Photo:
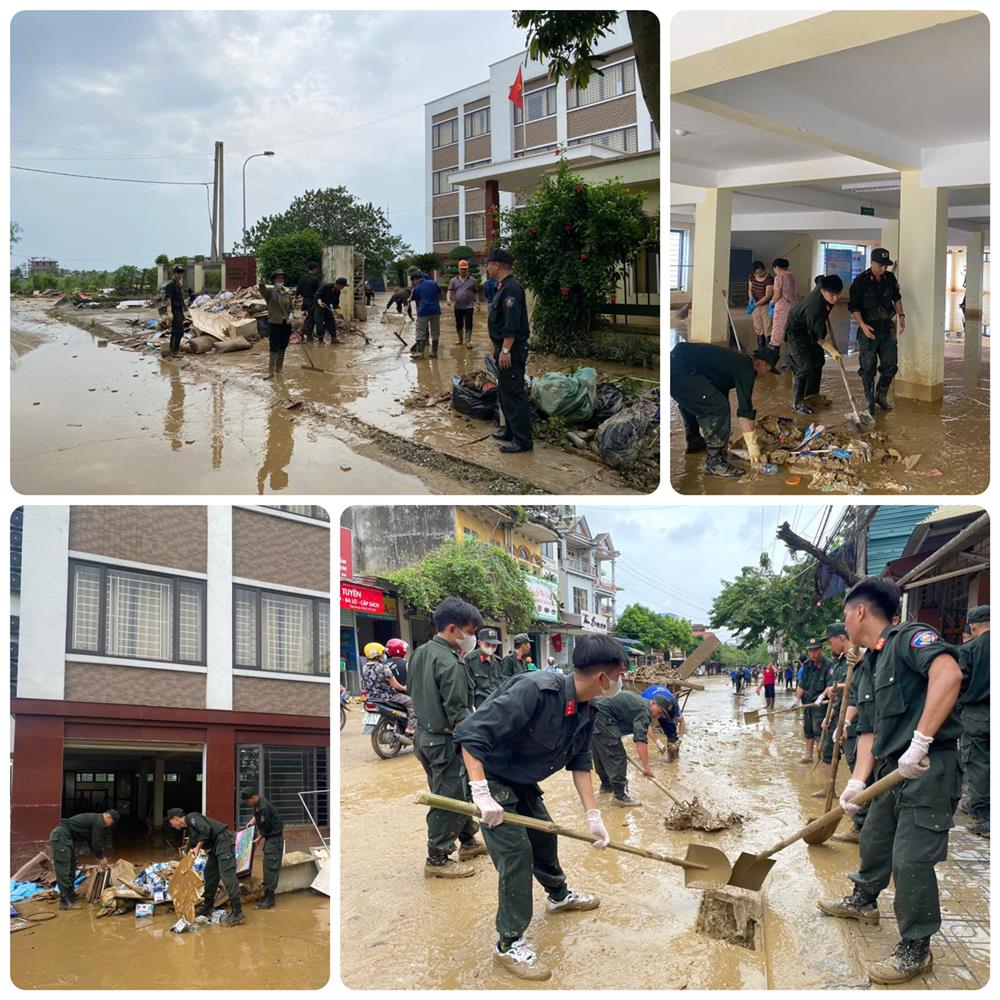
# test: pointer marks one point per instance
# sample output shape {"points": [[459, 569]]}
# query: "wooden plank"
{"points": [[708, 646]]}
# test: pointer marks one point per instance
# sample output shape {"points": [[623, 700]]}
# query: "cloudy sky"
{"points": [[673, 559], [337, 95]]}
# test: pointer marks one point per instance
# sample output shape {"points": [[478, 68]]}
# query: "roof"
{"points": [[946, 513]]}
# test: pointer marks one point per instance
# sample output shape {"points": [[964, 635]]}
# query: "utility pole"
{"points": [[222, 206], [214, 215]]}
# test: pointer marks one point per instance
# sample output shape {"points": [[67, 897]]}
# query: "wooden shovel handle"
{"points": [[892, 779], [547, 826], [838, 740], [653, 781]]}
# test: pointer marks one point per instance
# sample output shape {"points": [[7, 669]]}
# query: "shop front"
{"points": [[367, 614]]}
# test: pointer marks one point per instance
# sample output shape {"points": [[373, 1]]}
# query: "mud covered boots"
{"points": [[860, 905], [67, 902], [716, 465], [799, 395], [279, 362], [882, 395], [869, 385], [267, 902], [911, 958], [693, 440], [234, 917], [447, 868], [272, 360]]}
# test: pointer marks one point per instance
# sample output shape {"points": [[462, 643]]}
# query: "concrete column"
{"points": [[222, 275], [158, 770], [923, 233], [342, 258], [710, 267], [890, 238], [974, 276], [562, 113], [219, 599], [161, 276], [220, 774], [199, 278]]}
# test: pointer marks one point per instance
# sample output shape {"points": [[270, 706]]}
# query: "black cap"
{"points": [[311, 265], [663, 702], [341, 281], [837, 628], [881, 256], [832, 283], [814, 644], [501, 256], [488, 635], [115, 815], [770, 355], [174, 813], [247, 793], [274, 274], [521, 638], [178, 269], [979, 615]]}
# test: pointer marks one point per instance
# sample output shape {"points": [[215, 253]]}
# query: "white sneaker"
{"points": [[520, 960], [574, 901]]}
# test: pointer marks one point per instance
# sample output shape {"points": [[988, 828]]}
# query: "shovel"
{"points": [[838, 739], [854, 417], [663, 788], [751, 870], [755, 715], [398, 334], [704, 867], [315, 368]]}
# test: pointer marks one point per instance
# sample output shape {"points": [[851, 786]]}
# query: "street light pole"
{"points": [[267, 152]]}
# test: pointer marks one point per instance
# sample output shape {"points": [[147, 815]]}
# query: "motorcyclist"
{"points": [[381, 684], [397, 650]]}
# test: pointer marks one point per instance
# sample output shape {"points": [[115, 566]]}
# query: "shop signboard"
{"points": [[346, 554], [593, 623], [367, 600], [546, 597]]}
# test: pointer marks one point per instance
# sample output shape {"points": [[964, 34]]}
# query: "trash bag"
{"points": [[232, 344], [608, 402], [571, 397], [621, 438], [473, 403]]}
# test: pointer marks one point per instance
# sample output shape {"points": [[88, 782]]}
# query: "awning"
{"points": [[525, 172]]}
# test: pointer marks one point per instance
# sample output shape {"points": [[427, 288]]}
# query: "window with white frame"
{"points": [[444, 133], [475, 226], [624, 140], [445, 230], [477, 123], [279, 632], [531, 152], [678, 259], [472, 166], [304, 510], [614, 81], [135, 615], [537, 104], [439, 182], [579, 601]]}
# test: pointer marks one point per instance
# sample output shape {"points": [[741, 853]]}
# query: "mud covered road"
{"points": [[400, 930]]}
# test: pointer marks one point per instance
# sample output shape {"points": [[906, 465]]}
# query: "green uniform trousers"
{"points": [[63, 859], [517, 854], [610, 761], [976, 758], [274, 849], [442, 763], [221, 864], [812, 719], [904, 836], [826, 747], [851, 756]]}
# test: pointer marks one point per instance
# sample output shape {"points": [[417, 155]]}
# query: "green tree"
{"points": [[457, 254], [337, 217], [679, 634], [655, 630], [572, 242], [15, 233], [126, 279], [292, 252], [567, 39], [476, 571]]}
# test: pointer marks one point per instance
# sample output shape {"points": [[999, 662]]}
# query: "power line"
{"points": [[121, 180], [651, 585]]}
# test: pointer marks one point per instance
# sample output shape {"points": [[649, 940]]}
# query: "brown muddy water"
{"points": [[951, 436], [440, 933], [284, 948]]}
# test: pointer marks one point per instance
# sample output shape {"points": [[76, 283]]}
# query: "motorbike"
{"points": [[385, 721], [343, 706]]}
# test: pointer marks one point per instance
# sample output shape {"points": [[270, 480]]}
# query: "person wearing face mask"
{"points": [[279, 329], [533, 725], [515, 662], [483, 665], [438, 682], [618, 715]]}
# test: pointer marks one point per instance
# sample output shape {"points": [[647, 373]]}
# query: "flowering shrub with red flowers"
{"points": [[571, 242]]}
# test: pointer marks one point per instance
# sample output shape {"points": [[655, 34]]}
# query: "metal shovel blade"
{"points": [[716, 871], [750, 871], [824, 833], [749, 718]]}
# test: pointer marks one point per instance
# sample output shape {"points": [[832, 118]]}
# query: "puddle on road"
{"points": [[89, 419], [951, 435]]}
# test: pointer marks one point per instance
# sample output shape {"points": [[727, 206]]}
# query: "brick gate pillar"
{"points": [[36, 786]]}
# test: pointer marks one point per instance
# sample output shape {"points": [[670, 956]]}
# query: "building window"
{"points": [[579, 601], [477, 123], [304, 510], [280, 633], [444, 134], [475, 226], [469, 535], [438, 183], [538, 104], [279, 774], [531, 152], [472, 166], [16, 540], [143, 616], [614, 82], [679, 240], [624, 140], [446, 230]]}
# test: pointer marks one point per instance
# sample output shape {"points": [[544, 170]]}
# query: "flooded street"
{"points": [[92, 419], [951, 435], [440, 933], [283, 948]]}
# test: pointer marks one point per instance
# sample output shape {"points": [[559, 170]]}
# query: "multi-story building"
{"points": [[166, 656], [40, 265], [481, 150]]}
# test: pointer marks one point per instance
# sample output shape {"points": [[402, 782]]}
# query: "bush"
{"points": [[213, 282], [291, 252]]}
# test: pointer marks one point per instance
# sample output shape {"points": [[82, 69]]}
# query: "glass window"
{"points": [[280, 773], [477, 123], [615, 81], [579, 600], [246, 628], [624, 140], [439, 184], [537, 104], [678, 259], [446, 230], [475, 226], [306, 510], [86, 608], [140, 615], [530, 152], [444, 133], [280, 632], [191, 622]]}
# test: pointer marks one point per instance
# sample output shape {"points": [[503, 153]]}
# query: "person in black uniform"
{"points": [[876, 302], [484, 666], [531, 726], [806, 333], [268, 827], [88, 830], [701, 378], [507, 322], [974, 709], [174, 294], [328, 299], [307, 287]]}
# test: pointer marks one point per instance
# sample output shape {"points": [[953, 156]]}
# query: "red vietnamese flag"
{"points": [[516, 93]]}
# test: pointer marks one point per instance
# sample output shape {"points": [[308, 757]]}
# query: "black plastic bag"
{"points": [[620, 439], [478, 405], [609, 401]]}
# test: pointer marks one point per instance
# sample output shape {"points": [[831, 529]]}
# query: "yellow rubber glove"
{"points": [[831, 350], [753, 449]]}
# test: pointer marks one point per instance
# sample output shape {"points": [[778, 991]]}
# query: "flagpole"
{"points": [[524, 111]]}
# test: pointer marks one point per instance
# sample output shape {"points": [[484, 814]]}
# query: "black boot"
{"points": [[761, 341], [716, 465], [66, 902], [694, 443], [267, 903], [234, 917], [799, 394], [869, 385], [882, 395]]}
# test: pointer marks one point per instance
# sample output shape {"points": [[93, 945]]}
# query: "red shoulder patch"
{"points": [[879, 645], [570, 708]]}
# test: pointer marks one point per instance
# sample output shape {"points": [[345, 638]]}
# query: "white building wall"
{"points": [[219, 610], [41, 671]]}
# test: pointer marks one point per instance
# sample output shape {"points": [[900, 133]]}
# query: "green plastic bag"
{"points": [[571, 397]]}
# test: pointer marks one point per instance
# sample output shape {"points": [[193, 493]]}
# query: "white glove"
{"points": [[491, 812], [753, 449], [853, 787], [795, 704], [598, 829], [821, 700], [911, 764]]}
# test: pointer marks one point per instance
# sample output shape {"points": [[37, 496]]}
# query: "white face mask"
{"points": [[615, 688], [466, 644], [489, 650]]}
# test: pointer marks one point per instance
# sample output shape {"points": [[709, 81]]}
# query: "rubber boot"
{"points": [[882, 395], [417, 352], [434, 348], [267, 903], [860, 905], [234, 917], [716, 465], [869, 385], [694, 441], [271, 361], [799, 395], [761, 341], [279, 362], [66, 902], [911, 958]]}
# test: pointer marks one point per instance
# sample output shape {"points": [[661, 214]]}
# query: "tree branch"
{"points": [[798, 544]]}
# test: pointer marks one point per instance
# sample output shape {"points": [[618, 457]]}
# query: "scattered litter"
{"points": [[181, 926], [143, 910]]}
